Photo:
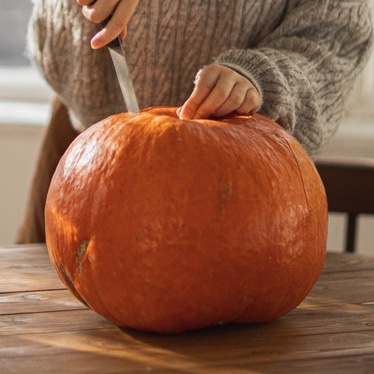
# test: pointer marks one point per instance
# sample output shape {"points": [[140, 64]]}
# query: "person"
{"points": [[295, 61]]}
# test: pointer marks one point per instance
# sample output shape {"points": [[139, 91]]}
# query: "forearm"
{"points": [[306, 68]]}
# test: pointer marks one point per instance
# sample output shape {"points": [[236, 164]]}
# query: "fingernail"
{"points": [[95, 42], [184, 113]]}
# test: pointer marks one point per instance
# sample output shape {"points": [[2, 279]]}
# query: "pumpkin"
{"points": [[166, 225]]}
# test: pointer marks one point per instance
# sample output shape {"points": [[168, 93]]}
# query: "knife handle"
{"points": [[116, 42]]}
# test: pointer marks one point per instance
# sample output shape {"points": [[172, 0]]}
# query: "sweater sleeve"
{"points": [[306, 68]]}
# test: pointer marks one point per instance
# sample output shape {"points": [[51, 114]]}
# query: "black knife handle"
{"points": [[116, 42]]}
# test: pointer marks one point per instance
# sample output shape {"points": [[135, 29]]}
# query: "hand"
{"points": [[218, 91], [98, 11]]}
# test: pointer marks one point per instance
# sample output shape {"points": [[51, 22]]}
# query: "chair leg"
{"points": [[350, 240]]}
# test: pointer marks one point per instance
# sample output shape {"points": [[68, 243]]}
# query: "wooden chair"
{"points": [[349, 184]]}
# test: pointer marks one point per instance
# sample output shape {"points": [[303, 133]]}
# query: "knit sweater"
{"points": [[302, 55]]}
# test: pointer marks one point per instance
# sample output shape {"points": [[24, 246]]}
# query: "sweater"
{"points": [[303, 56]]}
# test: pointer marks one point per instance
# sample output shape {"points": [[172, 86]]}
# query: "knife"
{"points": [[117, 53]]}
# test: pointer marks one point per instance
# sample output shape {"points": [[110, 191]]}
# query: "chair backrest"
{"points": [[349, 184]]}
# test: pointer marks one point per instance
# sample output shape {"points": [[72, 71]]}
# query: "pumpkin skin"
{"points": [[166, 225]]}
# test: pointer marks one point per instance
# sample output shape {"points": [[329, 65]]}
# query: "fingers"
{"points": [[85, 2], [97, 11], [242, 101], [205, 83], [120, 13], [219, 91]]}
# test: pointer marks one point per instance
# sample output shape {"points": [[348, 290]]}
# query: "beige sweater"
{"points": [[302, 55]]}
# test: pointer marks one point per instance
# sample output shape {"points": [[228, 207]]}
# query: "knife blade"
{"points": [[117, 53]]}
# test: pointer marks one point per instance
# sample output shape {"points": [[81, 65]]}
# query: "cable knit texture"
{"points": [[302, 55]]}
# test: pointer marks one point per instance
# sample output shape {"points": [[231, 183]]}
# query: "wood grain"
{"points": [[43, 329], [26, 268], [38, 301]]}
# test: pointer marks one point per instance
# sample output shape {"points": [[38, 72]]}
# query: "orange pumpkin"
{"points": [[166, 225]]}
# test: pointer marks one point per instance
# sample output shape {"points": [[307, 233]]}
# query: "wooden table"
{"points": [[43, 329]]}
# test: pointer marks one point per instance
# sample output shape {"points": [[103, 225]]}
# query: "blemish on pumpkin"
{"points": [[225, 193], [82, 248], [69, 283]]}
